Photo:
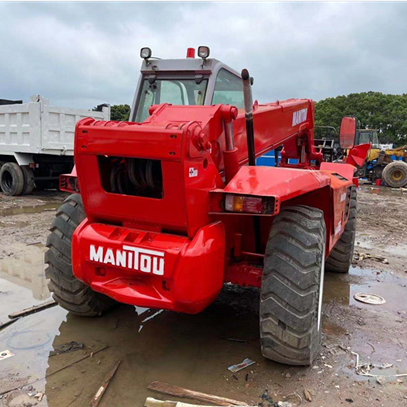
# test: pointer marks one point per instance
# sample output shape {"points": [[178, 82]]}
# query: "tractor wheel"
{"points": [[29, 183], [340, 258], [395, 174], [292, 286], [11, 179], [68, 292]]}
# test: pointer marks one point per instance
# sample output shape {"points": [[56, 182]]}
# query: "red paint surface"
{"points": [[203, 245]]}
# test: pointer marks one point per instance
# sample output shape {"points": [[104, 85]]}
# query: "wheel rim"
{"points": [[321, 290], [397, 175]]}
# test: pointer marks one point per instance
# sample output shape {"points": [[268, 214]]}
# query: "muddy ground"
{"points": [[195, 351]]}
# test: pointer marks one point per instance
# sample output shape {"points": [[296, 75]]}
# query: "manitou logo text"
{"points": [[300, 116], [148, 261]]}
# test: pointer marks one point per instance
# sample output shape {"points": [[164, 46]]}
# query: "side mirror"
{"points": [[347, 132]]}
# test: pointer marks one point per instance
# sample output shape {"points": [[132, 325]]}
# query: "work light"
{"points": [[145, 53], [203, 52]]}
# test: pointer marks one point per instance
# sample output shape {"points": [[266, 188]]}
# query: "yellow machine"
{"points": [[389, 165]]}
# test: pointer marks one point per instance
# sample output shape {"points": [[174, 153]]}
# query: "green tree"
{"points": [[374, 110], [120, 113]]}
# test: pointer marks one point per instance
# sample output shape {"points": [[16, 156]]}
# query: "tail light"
{"points": [[68, 183], [249, 204]]}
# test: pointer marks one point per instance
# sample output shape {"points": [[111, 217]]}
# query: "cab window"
{"points": [[174, 91], [228, 90]]}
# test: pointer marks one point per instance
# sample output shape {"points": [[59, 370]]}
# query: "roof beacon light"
{"points": [[203, 52], [190, 52], [145, 53]]}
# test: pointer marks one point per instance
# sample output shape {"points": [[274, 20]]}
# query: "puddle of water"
{"points": [[342, 288], [366, 244], [399, 250], [20, 210], [191, 351], [22, 279], [188, 350]]}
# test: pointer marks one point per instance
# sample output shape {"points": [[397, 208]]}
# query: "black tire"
{"points": [[292, 287], [29, 183], [11, 179], [395, 174], [340, 258], [68, 292]]}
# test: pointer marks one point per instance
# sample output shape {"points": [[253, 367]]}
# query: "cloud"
{"points": [[83, 54]]}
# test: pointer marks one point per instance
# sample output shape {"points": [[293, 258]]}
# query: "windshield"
{"points": [[369, 136], [174, 91]]}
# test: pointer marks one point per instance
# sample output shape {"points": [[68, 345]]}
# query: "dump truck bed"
{"points": [[38, 128]]}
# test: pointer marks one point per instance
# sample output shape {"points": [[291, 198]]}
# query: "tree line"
{"points": [[374, 110]]}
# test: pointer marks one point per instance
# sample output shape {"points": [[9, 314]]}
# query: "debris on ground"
{"points": [[33, 309], [186, 393], [236, 368], [5, 354], [364, 369], [152, 402], [307, 395], [381, 380], [294, 395], [384, 366], [39, 396], [67, 347], [7, 323], [363, 256], [373, 299], [101, 391], [265, 397]]}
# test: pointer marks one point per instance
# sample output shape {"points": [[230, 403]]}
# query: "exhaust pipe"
{"points": [[248, 107]]}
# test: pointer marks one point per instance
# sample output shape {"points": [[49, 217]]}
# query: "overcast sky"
{"points": [[83, 54]]}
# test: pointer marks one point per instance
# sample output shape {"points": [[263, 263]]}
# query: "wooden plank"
{"points": [[190, 394], [152, 402], [101, 391], [9, 322], [33, 309]]}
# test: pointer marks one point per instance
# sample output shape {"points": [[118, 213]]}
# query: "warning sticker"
{"points": [[193, 172]]}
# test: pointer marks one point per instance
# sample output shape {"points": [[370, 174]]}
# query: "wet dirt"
{"points": [[193, 351], [381, 229]]}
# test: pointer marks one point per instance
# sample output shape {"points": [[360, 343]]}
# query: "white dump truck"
{"points": [[36, 142]]}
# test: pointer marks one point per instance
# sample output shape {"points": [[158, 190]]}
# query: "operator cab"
{"points": [[190, 81], [366, 136]]}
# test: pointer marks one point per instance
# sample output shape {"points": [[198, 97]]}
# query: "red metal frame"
{"points": [[198, 244]]}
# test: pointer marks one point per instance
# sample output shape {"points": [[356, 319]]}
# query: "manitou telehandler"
{"points": [[169, 206]]}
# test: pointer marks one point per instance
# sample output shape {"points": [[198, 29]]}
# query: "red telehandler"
{"points": [[169, 206]]}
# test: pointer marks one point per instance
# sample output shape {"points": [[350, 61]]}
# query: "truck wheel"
{"points": [[29, 183], [292, 286], [395, 174], [11, 179], [340, 258], [68, 292]]}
